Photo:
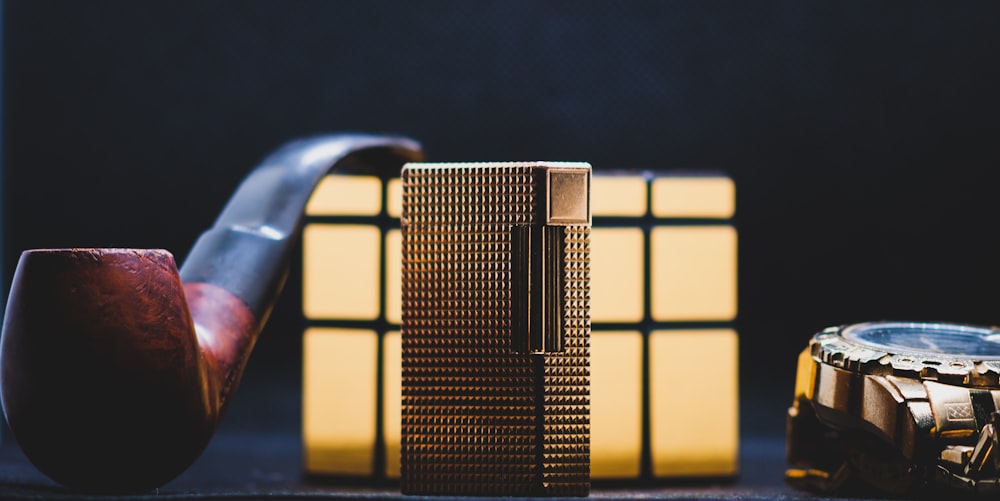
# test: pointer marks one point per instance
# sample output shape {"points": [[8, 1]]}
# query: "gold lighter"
{"points": [[496, 329]]}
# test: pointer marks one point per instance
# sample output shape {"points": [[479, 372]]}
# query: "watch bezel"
{"points": [[832, 347]]}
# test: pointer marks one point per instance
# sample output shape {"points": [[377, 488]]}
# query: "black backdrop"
{"points": [[862, 135]]}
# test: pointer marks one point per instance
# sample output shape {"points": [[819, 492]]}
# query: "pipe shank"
{"points": [[248, 250]]}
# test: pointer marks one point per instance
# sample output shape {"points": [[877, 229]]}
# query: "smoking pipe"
{"points": [[117, 368]]}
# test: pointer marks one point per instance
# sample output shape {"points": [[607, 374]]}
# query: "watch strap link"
{"points": [[895, 433]]}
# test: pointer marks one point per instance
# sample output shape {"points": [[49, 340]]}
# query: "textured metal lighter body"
{"points": [[496, 329]]}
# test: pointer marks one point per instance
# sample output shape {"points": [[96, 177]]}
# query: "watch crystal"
{"points": [[936, 339]]}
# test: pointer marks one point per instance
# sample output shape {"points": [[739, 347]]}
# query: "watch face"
{"points": [[936, 339]]}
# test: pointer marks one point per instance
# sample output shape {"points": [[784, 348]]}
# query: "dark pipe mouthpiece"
{"points": [[117, 366]]}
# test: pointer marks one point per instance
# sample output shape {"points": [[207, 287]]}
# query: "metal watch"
{"points": [[896, 407]]}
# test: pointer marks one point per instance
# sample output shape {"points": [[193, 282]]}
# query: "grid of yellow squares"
{"points": [[663, 299]]}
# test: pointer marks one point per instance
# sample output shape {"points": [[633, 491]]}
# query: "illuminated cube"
{"points": [[663, 300]]}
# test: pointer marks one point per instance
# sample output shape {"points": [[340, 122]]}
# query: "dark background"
{"points": [[862, 135]]}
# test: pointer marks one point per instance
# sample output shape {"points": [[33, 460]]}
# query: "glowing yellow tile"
{"points": [[710, 197], [392, 400], [694, 423], [615, 404], [693, 273], [618, 195], [394, 197], [616, 274], [393, 276], [338, 400], [342, 271], [346, 195]]}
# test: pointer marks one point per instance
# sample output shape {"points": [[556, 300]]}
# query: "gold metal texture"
{"points": [[891, 419], [496, 329]]}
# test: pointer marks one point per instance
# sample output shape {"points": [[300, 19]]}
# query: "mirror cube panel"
{"points": [[619, 195], [392, 400], [615, 404], [712, 197], [633, 257], [339, 400], [343, 278], [393, 276], [694, 428], [616, 274], [394, 198], [346, 195], [693, 273]]}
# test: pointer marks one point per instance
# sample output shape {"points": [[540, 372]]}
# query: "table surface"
{"points": [[259, 465], [257, 454]]}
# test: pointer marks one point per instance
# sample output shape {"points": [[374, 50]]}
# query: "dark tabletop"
{"points": [[258, 465], [256, 454]]}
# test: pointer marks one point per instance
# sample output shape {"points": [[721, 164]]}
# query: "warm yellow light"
{"points": [[338, 398], [619, 195], [343, 271], [616, 274], [694, 423], [615, 404], [393, 276], [392, 401], [394, 202], [346, 195], [693, 273], [695, 197]]}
